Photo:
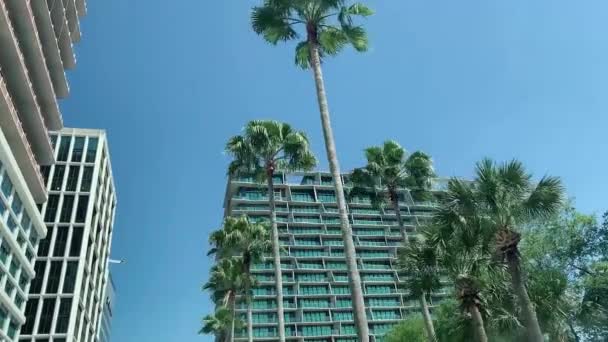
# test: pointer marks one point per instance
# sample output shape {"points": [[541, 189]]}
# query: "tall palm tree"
{"points": [[421, 262], [247, 241], [265, 148], [327, 27], [227, 280], [387, 172], [218, 324], [506, 198]]}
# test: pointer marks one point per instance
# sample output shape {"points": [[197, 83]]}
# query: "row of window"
{"points": [[67, 207], [63, 152], [7, 324], [14, 215], [45, 321], [53, 279], [71, 181]]}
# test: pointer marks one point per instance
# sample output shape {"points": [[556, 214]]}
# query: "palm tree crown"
{"points": [[328, 25], [239, 237], [388, 170], [268, 146]]}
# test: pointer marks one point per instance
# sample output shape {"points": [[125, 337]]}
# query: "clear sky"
{"points": [[172, 80]]}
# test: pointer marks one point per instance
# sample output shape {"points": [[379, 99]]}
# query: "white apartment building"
{"points": [[67, 296]]}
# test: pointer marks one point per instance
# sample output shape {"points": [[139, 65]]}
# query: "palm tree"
{"points": [[328, 27], [506, 198], [420, 261], [218, 324], [227, 280], [247, 241], [386, 173], [265, 148]]}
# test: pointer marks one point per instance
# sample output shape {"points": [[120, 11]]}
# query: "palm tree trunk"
{"points": [[347, 234], [426, 315], [232, 305], [276, 254], [527, 308], [247, 289], [478, 326], [428, 320], [395, 201]]}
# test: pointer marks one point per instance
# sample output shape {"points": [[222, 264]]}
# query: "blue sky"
{"points": [[171, 81]]}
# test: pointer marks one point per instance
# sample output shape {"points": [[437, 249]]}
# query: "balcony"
{"points": [[61, 27], [50, 46], [13, 131], [17, 79], [73, 20], [22, 18]]}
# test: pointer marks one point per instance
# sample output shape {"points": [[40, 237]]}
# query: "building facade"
{"points": [[36, 46], [317, 299], [67, 296], [108, 311]]}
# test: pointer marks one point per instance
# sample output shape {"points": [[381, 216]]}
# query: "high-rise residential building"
{"points": [[317, 299], [108, 311], [36, 40], [67, 296]]}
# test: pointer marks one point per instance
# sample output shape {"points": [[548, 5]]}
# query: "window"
{"points": [[4, 252], [64, 148], [43, 248], [37, 282], [81, 211], [25, 221], [12, 330], [66, 209], [76, 244], [60, 241], [58, 177], [45, 170], [63, 318], [70, 277], [14, 268], [7, 186], [87, 179], [52, 284], [51, 208], [78, 149], [72, 178], [17, 205], [92, 150], [30, 316], [46, 316], [53, 141]]}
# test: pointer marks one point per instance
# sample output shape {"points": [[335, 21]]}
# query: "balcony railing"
{"points": [[15, 116]]}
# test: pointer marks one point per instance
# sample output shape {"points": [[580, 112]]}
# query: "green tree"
{"points": [[247, 241], [411, 330], [227, 280], [265, 148], [506, 196], [218, 324], [420, 261], [388, 172], [327, 26]]}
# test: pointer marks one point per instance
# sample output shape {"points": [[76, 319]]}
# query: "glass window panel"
{"points": [[51, 208], [78, 149], [81, 211], [66, 209], [72, 178], [46, 316], [39, 268], [64, 148], [7, 186], [76, 244], [43, 248], [63, 318], [70, 277], [60, 241], [30, 315], [58, 177], [91, 150], [52, 284], [87, 179]]}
